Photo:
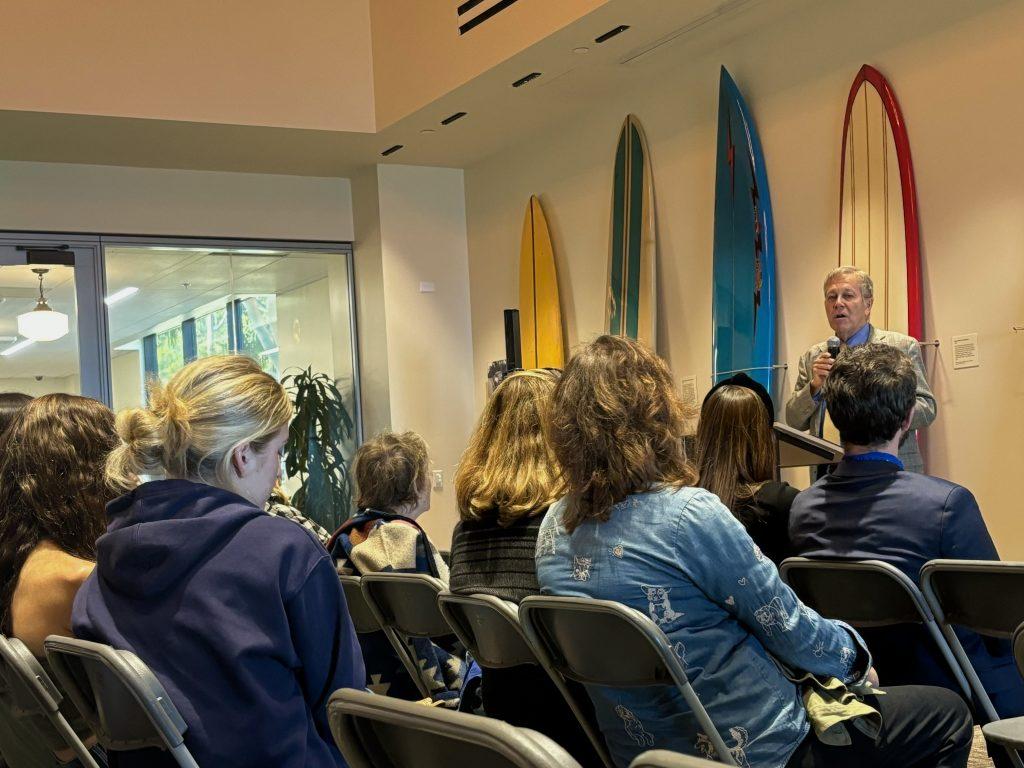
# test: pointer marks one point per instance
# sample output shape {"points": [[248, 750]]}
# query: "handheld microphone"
{"points": [[833, 345]]}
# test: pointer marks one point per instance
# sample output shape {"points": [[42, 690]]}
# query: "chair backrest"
{"points": [[407, 603], [489, 627], [662, 758], [868, 593], [863, 593], [983, 595], [363, 619], [1018, 648], [119, 696], [602, 642], [28, 694], [382, 732]]}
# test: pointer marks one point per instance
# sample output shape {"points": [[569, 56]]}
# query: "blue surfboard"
{"points": [[743, 304]]}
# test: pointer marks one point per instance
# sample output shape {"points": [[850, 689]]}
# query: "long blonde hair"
{"points": [[508, 470], [616, 427], [195, 422], [735, 447]]}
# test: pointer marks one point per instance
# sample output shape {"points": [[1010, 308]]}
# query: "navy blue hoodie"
{"points": [[240, 614]]}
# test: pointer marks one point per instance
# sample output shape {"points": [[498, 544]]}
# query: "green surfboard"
{"points": [[630, 309]]}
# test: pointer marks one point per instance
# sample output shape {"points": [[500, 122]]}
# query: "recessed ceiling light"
{"points": [[428, 131], [526, 79], [611, 33], [580, 49], [124, 293], [18, 347]]}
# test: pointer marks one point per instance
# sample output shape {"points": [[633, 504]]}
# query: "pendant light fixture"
{"points": [[42, 323]]}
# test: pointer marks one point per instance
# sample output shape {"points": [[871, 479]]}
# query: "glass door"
{"points": [[53, 332]]}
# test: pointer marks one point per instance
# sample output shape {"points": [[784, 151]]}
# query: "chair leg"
{"points": [[183, 757], [71, 738], [408, 658]]}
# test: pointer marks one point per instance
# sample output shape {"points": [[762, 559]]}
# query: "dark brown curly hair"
{"points": [[616, 426], [52, 484]]}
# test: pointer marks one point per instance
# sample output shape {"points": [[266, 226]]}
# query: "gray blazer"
{"points": [[802, 412]]}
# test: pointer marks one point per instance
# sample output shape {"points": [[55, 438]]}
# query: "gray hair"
{"points": [[867, 288]]}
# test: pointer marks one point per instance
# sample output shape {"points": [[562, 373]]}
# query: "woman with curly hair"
{"points": [[52, 497], [632, 528]]}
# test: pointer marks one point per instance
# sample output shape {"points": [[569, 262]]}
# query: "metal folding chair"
{"points": [[28, 694], [405, 605], [661, 758], [489, 628], [119, 696], [363, 619], [383, 732], [866, 594], [605, 643], [986, 597]]}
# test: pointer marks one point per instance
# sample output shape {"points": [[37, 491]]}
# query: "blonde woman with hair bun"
{"points": [[239, 613]]}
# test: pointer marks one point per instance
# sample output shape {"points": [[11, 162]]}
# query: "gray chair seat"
{"points": [[381, 732]]}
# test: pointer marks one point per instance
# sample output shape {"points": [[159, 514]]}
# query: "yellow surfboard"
{"points": [[540, 314]]}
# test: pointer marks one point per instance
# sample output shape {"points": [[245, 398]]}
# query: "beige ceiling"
{"points": [[662, 32]]}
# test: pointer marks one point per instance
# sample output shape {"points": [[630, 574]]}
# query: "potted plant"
{"points": [[315, 450]]}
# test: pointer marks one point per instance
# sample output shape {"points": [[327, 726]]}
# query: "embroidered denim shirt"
{"points": [[680, 557]]}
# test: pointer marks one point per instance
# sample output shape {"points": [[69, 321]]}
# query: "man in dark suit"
{"points": [[869, 507]]}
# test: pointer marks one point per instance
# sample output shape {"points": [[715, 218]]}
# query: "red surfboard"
{"points": [[879, 229]]}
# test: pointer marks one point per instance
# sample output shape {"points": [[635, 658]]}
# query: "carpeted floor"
{"points": [[979, 755]]}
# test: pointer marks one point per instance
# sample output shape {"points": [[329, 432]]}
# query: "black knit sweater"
{"points": [[493, 560]]}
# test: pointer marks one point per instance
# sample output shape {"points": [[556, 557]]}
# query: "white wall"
{"points": [[955, 67], [63, 197], [422, 228], [46, 386]]}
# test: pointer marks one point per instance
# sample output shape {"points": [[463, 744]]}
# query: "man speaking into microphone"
{"points": [[849, 295]]}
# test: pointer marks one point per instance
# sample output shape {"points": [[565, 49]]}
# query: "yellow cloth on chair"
{"points": [[831, 705]]}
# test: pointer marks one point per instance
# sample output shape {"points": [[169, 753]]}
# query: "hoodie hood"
{"points": [[162, 531]]}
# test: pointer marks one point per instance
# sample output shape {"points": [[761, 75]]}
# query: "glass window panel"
{"points": [[291, 309], [258, 316], [170, 355], [37, 367], [212, 334]]}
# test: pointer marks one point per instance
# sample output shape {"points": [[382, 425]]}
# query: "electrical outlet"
{"points": [[438, 480]]}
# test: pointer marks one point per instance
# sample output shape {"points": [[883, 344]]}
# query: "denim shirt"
{"points": [[679, 556]]}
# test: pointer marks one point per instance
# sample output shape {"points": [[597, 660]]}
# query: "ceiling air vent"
{"points": [[391, 150], [611, 33], [452, 118], [473, 13], [526, 79]]}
